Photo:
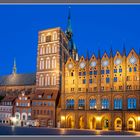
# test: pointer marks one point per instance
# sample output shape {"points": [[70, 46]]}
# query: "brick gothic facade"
{"points": [[97, 92], [94, 93]]}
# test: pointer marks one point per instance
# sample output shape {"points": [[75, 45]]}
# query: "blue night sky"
{"points": [[94, 27]]}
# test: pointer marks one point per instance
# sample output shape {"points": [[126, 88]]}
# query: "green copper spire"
{"points": [[69, 28], [14, 67]]}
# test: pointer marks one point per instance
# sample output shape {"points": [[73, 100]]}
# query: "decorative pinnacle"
{"points": [[14, 67]]}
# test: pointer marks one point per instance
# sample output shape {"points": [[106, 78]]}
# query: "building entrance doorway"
{"points": [[131, 124], [105, 124], [118, 124]]}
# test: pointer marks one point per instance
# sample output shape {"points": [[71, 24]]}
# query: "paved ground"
{"points": [[9, 130]]}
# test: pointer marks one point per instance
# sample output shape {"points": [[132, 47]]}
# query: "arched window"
{"points": [[55, 48], [70, 104], [41, 63], [48, 80], [53, 80], [41, 80], [41, 50], [131, 103], [54, 36], [42, 38], [81, 104], [47, 49], [48, 63], [52, 48], [117, 103], [92, 104], [54, 62], [105, 104]]}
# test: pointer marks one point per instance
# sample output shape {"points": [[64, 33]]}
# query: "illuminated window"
{"points": [[117, 103], [131, 103], [70, 104], [81, 104], [92, 104], [105, 104]]}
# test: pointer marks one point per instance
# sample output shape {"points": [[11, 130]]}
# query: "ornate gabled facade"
{"points": [[102, 93]]}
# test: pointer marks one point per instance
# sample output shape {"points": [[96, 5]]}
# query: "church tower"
{"points": [[52, 53]]}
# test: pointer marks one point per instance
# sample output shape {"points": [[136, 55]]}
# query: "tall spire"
{"points": [[87, 55], [14, 67], [69, 28], [111, 52], [99, 56], [124, 50]]}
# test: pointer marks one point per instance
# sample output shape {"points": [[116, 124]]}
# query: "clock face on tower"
{"points": [[117, 61], [132, 60], [70, 66], [93, 64], [82, 65], [105, 63]]}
